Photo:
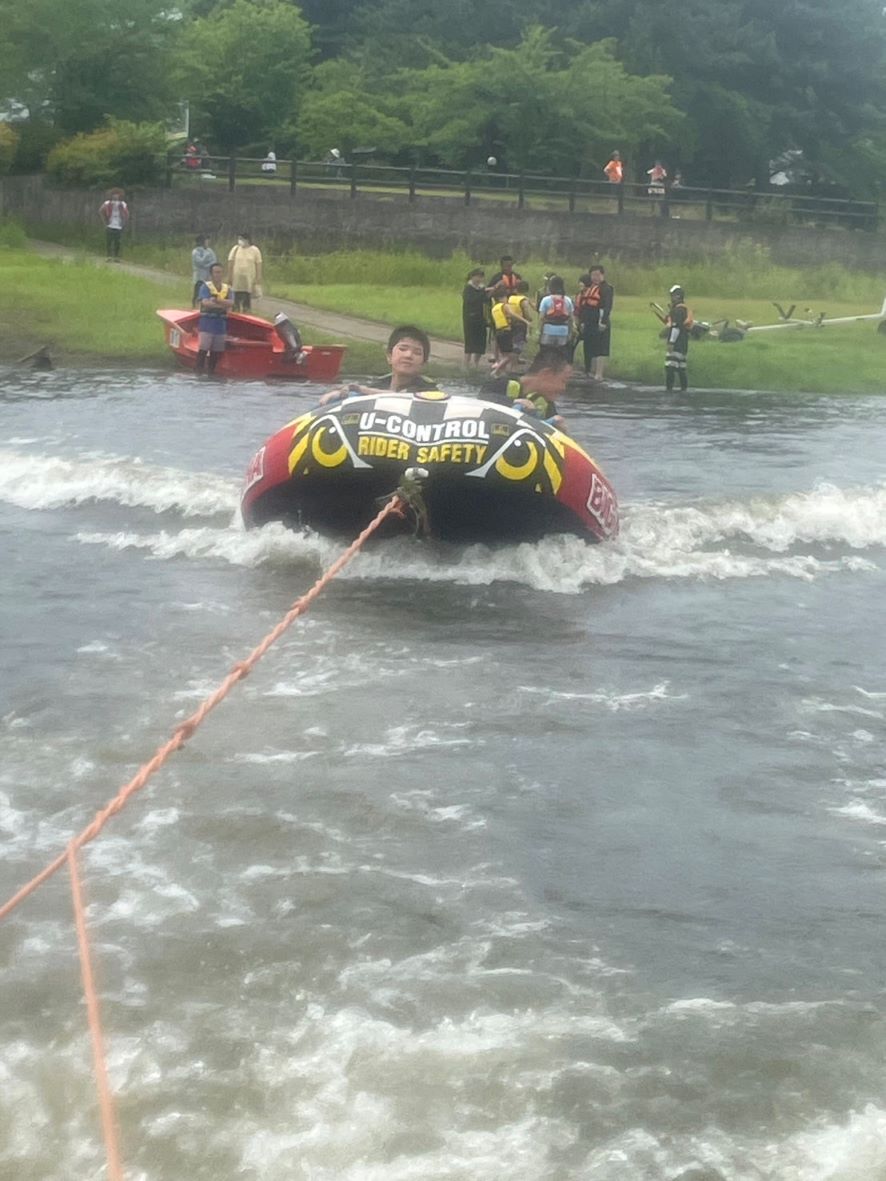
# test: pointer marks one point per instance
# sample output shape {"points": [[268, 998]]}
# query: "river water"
{"points": [[551, 862]]}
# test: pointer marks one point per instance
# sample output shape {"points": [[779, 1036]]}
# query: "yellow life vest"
{"points": [[500, 317], [222, 292], [514, 391]]}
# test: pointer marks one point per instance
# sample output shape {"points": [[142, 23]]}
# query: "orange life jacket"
{"points": [[687, 323], [558, 313], [589, 297]]}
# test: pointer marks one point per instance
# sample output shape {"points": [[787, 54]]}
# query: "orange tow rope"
{"points": [[394, 506], [183, 732], [105, 1098]]}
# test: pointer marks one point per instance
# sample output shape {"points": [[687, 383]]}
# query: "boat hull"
{"points": [[493, 473], [252, 349]]}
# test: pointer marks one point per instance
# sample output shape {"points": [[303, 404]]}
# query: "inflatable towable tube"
{"points": [[494, 473]]}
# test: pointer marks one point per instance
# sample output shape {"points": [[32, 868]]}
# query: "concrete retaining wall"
{"points": [[320, 221]]}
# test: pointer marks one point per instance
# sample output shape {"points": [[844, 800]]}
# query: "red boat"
{"points": [[254, 347]]}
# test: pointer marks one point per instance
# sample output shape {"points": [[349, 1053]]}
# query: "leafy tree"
{"points": [[244, 68], [339, 112], [75, 64], [536, 107]]}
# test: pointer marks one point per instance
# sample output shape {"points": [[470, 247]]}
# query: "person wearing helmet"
{"points": [[678, 324]]}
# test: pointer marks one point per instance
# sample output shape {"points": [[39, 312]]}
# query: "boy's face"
{"points": [[406, 357]]}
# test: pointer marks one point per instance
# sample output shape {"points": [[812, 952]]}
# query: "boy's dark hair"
{"points": [[556, 286], [500, 290], [553, 359], [200, 240], [476, 271], [522, 287], [586, 278], [597, 267], [506, 258], [410, 332]]}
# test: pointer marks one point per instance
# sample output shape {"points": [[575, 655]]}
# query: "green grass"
{"points": [[97, 312], [399, 287]]}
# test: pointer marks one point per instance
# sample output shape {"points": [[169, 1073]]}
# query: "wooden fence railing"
{"points": [[575, 194]]}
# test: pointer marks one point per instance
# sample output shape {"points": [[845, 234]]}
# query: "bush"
{"points": [[120, 153], [12, 235], [8, 146], [35, 141]]}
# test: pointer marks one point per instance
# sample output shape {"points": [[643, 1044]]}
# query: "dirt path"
{"points": [[446, 352]]}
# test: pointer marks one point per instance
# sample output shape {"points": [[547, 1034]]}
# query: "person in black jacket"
{"points": [[475, 317]]}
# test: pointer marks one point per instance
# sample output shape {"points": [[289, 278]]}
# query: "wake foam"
{"points": [[42, 482], [707, 540]]}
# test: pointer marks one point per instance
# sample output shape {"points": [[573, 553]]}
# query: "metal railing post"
{"points": [[232, 173], [293, 176], [572, 196], [468, 187], [621, 198], [412, 183], [353, 179], [709, 206], [521, 191]]}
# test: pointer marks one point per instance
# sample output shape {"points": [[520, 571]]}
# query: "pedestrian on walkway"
{"points": [[245, 272], [203, 259], [115, 215]]}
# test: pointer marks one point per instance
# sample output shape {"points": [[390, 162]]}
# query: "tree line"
{"points": [[725, 90]]}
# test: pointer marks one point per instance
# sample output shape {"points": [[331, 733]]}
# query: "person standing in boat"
{"points": [[216, 301], [203, 259], [408, 350], [245, 272]]}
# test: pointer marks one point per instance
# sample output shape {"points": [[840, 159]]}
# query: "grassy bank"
{"points": [[393, 287], [96, 313]]}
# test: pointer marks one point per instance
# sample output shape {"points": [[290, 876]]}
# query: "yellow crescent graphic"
{"points": [[554, 474], [513, 471], [327, 459], [295, 455]]}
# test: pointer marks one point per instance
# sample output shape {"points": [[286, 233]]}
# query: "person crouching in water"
{"points": [[678, 324], [504, 317], [535, 391], [216, 300], [408, 351]]}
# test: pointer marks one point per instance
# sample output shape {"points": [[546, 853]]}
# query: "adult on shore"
{"points": [[215, 303], [114, 213], [507, 275], [408, 350], [535, 391], [475, 317], [593, 310], [555, 314], [677, 327], [203, 259], [615, 169], [245, 272]]}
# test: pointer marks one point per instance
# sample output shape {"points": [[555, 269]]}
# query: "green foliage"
{"points": [[244, 67], [8, 147], [78, 63], [12, 235], [121, 153], [36, 138], [335, 113]]}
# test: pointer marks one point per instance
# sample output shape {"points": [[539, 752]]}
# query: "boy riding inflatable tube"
{"points": [[494, 473]]}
